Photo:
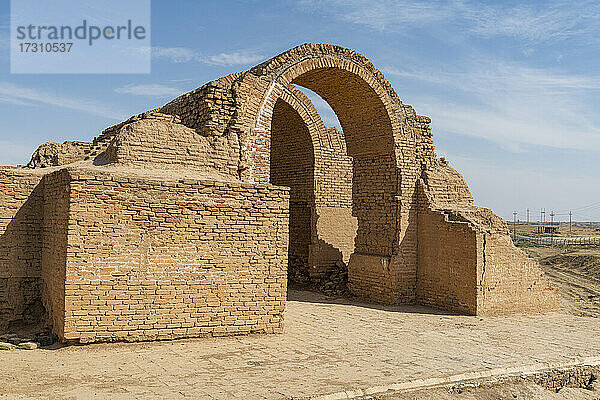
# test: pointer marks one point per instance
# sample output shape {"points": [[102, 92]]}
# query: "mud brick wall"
{"points": [[510, 281], [153, 258], [375, 185], [128, 257], [158, 140], [55, 246], [479, 264], [335, 225], [53, 154], [374, 188], [447, 271], [21, 216], [371, 278], [208, 109], [445, 187], [292, 165]]}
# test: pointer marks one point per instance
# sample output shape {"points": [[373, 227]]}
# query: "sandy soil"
{"points": [[520, 390], [381, 345], [577, 273]]}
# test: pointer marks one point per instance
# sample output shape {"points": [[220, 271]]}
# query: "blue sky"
{"points": [[513, 88]]}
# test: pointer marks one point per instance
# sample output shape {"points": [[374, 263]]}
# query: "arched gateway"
{"points": [[193, 216]]}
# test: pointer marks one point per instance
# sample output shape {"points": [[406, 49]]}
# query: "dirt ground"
{"points": [[586, 229], [518, 390], [330, 345], [576, 272]]}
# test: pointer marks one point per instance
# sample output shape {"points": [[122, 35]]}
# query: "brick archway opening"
{"points": [[374, 220], [292, 165], [342, 198], [363, 116], [367, 226]]}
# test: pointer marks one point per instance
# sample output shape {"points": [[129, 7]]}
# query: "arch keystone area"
{"points": [[206, 207]]}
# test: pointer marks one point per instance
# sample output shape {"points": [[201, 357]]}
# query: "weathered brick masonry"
{"points": [[151, 257], [188, 220], [21, 219]]}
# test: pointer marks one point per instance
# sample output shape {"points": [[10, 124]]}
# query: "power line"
{"points": [[593, 205]]}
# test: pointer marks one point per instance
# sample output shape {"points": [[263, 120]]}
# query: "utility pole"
{"points": [[552, 228], [543, 216], [570, 222], [514, 224], [528, 216]]}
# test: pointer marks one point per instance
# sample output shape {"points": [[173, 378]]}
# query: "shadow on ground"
{"points": [[305, 295]]}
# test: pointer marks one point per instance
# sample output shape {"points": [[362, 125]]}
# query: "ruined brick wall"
{"points": [[127, 252], [158, 258], [53, 154], [447, 268], [55, 249], [510, 281], [447, 264], [208, 109], [445, 187], [333, 220], [292, 165], [21, 217], [375, 184], [159, 141], [467, 261]]}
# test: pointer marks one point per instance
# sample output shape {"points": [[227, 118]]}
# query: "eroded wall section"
{"points": [[21, 217]]}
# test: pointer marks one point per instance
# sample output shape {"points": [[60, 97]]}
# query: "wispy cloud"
{"points": [[13, 94], [185, 55], [155, 90], [543, 21], [510, 104], [382, 15], [555, 20], [175, 54], [236, 58]]}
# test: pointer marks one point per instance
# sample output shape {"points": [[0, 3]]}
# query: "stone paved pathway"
{"points": [[326, 348]]}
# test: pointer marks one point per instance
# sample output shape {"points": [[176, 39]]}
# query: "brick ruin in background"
{"points": [[188, 220]]}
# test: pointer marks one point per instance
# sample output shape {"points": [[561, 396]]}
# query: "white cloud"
{"points": [[155, 90], [382, 15], [236, 58], [542, 22], [553, 20], [185, 55], [175, 54], [511, 104], [11, 93]]}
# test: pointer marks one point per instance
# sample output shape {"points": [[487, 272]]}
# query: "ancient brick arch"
{"points": [[312, 161], [370, 114], [181, 216], [362, 98]]}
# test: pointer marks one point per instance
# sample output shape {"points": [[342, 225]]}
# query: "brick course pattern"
{"points": [[148, 258], [20, 246], [187, 220]]}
